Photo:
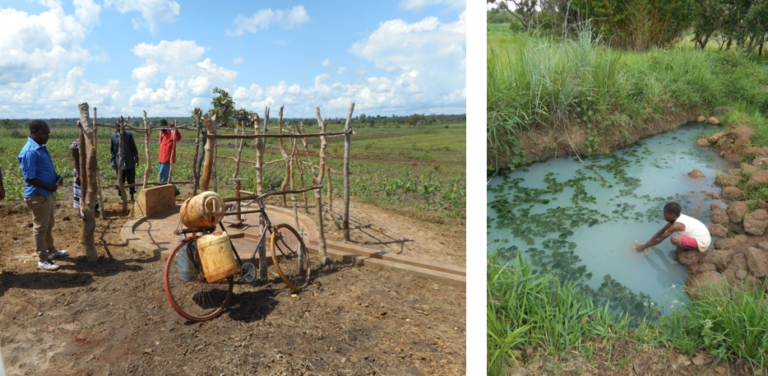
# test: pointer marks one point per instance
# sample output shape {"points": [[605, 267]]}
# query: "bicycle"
{"points": [[187, 289]]}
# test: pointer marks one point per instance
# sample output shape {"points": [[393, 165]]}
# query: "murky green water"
{"points": [[580, 221]]}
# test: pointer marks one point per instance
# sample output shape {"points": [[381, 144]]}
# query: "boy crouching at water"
{"points": [[693, 235]]}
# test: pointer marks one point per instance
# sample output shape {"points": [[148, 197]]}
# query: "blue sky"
{"points": [[165, 56]]}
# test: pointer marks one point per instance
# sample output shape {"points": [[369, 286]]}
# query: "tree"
{"points": [[223, 107], [524, 10], [9, 124]]}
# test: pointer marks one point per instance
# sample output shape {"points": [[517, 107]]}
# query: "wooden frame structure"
{"points": [[291, 158]]}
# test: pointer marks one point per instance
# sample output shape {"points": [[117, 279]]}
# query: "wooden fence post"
{"points": [[89, 183], [260, 185], [209, 145], [120, 162], [195, 172], [319, 193], [98, 174], [347, 142], [146, 151]]}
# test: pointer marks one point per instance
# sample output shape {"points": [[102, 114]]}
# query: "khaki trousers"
{"points": [[43, 208]]}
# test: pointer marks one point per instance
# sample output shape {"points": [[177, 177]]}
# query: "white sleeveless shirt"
{"points": [[697, 230]]}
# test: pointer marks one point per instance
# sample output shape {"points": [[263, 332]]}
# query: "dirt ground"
{"points": [[113, 318], [625, 357]]}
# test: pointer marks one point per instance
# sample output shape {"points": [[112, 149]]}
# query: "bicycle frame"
{"points": [[267, 226]]}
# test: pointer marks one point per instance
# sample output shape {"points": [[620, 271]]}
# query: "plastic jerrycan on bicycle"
{"points": [[203, 210], [216, 256]]}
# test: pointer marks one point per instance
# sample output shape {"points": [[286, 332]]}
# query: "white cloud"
{"points": [[34, 43], [178, 50], [264, 18], [215, 71], [172, 78], [341, 70], [153, 12], [325, 63], [418, 5], [427, 58], [237, 60], [87, 11]]}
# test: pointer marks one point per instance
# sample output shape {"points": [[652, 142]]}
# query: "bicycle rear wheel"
{"points": [[290, 256], [191, 296]]}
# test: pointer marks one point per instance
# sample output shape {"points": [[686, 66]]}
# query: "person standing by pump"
{"points": [[167, 151]]}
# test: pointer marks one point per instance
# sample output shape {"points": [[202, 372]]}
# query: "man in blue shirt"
{"points": [[41, 182]]}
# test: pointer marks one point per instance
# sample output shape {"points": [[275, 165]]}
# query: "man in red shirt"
{"points": [[167, 151]]}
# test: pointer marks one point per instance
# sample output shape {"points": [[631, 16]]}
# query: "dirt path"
{"points": [[112, 317]]}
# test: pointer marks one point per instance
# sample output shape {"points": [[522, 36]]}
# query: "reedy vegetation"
{"points": [[528, 308], [537, 81]]}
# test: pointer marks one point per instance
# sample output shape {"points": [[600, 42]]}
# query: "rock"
{"points": [[736, 211], [701, 268], [756, 262], [695, 174], [733, 280], [761, 151], [702, 142], [734, 172], [714, 195], [714, 206], [720, 370], [701, 119], [726, 180], [720, 111], [759, 162], [741, 274], [718, 257], [747, 169], [738, 261], [717, 230], [713, 120], [731, 244], [732, 193], [751, 282], [756, 223], [686, 257], [720, 216], [762, 204], [742, 239], [702, 359], [759, 178], [705, 283], [713, 139], [763, 245]]}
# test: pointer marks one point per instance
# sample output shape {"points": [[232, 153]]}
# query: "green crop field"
{"points": [[418, 170]]}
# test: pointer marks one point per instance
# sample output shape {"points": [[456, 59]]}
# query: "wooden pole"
{"points": [[89, 182], [98, 175], [195, 171], [260, 184], [287, 158], [146, 151], [301, 166], [319, 193], [209, 144], [347, 146], [120, 164]]}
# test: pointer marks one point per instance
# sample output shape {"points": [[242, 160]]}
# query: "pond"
{"points": [[579, 220]]}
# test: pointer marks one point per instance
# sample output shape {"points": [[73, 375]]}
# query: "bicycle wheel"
{"points": [[191, 296], [290, 256]]}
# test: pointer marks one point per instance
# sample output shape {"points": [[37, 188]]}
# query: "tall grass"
{"points": [[533, 309], [543, 82], [528, 308]]}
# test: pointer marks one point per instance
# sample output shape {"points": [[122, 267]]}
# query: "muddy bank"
{"points": [[539, 144]]}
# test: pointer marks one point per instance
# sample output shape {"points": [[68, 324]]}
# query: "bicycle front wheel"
{"points": [[290, 256], [191, 296]]}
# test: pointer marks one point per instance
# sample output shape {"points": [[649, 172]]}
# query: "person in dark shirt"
{"points": [[130, 159]]}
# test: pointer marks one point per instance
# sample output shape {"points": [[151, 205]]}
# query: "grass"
{"points": [[416, 170], [545, 83], [528, 308]]}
